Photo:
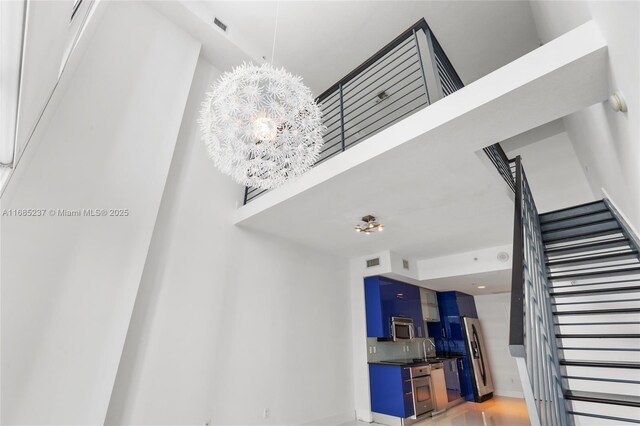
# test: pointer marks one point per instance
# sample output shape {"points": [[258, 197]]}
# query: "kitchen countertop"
{"points": [[411, 363]]}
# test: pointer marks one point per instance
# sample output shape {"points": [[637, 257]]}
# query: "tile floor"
{"points": [[498, 411]]}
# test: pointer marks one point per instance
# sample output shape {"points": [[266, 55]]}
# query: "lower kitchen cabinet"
{"points": [[452, 379], [464, 373], [449, 336], [391, 391]]}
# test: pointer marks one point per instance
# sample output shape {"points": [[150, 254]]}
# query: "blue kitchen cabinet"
{"points": [[386, 298], [413, 308], [449, 335], [464, 375], [391, 391], [452, 379], [466, 305]]}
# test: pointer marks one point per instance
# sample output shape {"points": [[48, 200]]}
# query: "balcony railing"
{"points": [[405, 76]]}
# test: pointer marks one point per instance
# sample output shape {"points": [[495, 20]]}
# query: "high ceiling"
{"points": [[437, 197], [434, 199], [324, 40]]}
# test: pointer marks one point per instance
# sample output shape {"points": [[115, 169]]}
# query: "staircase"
{"points": [[574, 328], [593, 271]]}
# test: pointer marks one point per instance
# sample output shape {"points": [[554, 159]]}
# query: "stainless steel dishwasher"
{"points": [[439, 387]]}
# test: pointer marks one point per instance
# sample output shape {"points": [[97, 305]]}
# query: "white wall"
{"points": [[606, 142], [229, 322], [69, 283], [493, 312], [49, 34], [553, 170], [471, 262]]}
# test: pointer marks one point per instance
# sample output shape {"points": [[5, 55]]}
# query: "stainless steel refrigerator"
{"points": [[479, 364]]}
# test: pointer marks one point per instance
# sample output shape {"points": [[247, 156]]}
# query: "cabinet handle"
{"points": [[408, 393]]}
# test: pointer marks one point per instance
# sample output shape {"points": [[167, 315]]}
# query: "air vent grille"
{"points": [[405, 264], [220, 24], [373, 262]]}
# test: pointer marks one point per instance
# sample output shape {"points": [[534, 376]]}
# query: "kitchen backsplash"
{"points": [[385, 351]]}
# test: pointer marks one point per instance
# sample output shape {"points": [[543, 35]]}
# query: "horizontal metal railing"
{"points": [[504, 166], [406, 75], [532, 338]]}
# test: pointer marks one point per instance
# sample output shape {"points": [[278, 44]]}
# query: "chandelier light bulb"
{"points": [[261, 125], [265, 129], [358, 229], [380, 228]]}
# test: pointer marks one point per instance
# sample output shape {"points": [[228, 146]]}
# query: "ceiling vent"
{"points": [[220, 24], [373, 262], [405, 264]]}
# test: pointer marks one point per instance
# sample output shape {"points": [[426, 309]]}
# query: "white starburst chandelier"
{"points": [[261, 125]]}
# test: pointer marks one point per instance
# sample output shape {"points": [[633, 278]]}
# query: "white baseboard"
{"points": [[364, 416], [334, 420], [510, 394]]}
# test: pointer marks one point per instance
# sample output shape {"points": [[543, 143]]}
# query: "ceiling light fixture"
{"points": [[482, 286], [262, 126], [370, 225]]}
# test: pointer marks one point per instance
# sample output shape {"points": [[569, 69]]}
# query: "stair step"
{"points": [[612, 290], [590, 246], [585, 341], [595, 273], [584, 238], [581, 231], [592, 353], [603, 373], [577, 220], [630, 328], [587, 419], [603, 398], [600, 364], [590, 207], [592, 284], [590, 319], [597, 384], [599, 311], [593, 259], [589, 305]]}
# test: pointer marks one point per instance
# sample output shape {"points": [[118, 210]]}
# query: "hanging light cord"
{"points": [[275, 31]]}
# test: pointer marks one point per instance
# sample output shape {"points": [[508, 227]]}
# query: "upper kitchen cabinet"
{"points": [[453, 305], [386, 298], [429, 301]]}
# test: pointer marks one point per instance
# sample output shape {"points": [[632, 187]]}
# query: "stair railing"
{"points": [[503, 165], [532, 340]]}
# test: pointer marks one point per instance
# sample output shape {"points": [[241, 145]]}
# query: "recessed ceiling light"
{"points": [[482, 286]]}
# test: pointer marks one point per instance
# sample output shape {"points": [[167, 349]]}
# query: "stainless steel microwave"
{"points": [[401, 329]]}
